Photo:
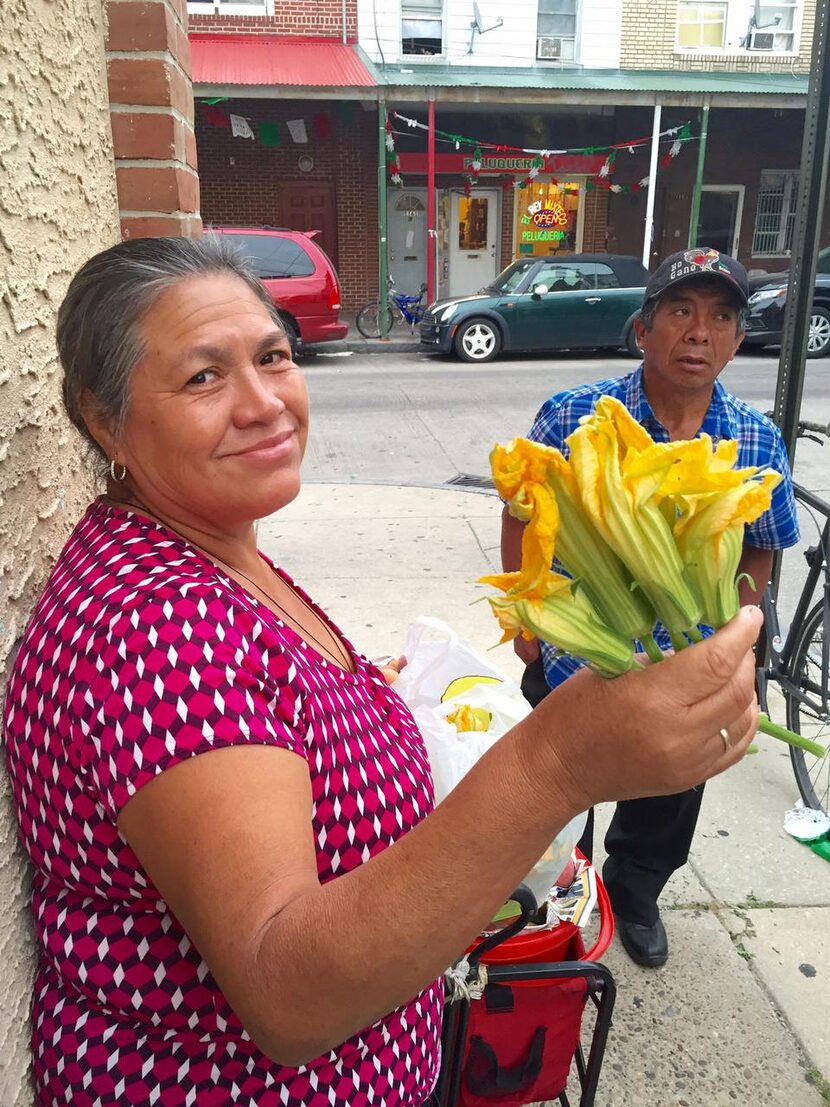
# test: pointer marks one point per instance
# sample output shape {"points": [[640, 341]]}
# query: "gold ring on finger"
{"points": [[727, 741]]}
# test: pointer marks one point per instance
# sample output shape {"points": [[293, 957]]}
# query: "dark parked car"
{"points": [[766, 309], [300, 278], [548, 303]]}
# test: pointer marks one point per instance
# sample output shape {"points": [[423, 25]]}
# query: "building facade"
{"points": [[575, 77]]}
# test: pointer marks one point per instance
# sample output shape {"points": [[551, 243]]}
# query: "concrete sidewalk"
{"points": [[741, 1013]]}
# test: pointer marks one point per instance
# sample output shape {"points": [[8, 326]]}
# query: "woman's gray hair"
{"points": [[99, 322]]}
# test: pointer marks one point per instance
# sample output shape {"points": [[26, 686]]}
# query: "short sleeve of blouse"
{"points": [[178, 677]]}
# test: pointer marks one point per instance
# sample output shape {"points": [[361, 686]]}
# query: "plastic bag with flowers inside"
{"points": [[463, 704]]}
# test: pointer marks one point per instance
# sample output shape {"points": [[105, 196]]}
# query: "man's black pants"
{"points": [[647, 839]]}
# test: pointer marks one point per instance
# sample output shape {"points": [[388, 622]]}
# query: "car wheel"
{"points": [[631, 344], [818, 337], [290, 334], [477, 340]]}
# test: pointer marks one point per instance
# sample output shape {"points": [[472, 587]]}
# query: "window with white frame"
{"points": [[422, 27], [772, 27], [701, 25], [775, 213], [737, 26], [556, 29], [230, 7]]}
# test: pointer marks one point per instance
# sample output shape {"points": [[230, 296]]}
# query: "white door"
{"points": [[474, 230], [406, 216]]}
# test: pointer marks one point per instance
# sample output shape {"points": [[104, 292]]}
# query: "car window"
{"points": [[564, 277], [272, 256], [823, 264], [510, 278], [606, 277]]}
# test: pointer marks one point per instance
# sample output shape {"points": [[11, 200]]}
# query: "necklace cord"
{"points": [[338, 655]]}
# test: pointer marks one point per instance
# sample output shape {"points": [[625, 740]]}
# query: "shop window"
{"points": [[775, 213], [547, 216], [701, 25], [556, 26], [472, 223], [422, 27], [230, 7]]}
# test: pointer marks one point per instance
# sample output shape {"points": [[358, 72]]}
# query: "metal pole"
{"points": [[383, 264], [694, 215], [652, 181], [809, 216], [431, 235], [343, 19]]}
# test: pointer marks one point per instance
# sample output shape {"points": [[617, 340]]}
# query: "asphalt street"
{"points": [[423, 420]]}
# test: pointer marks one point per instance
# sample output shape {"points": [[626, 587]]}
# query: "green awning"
{"points": [[620, 86]]}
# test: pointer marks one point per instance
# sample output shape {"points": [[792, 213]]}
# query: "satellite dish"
{"points": [[478, 26]]}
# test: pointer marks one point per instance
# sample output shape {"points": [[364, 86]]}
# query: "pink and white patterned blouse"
{"points": [[141, 654]]}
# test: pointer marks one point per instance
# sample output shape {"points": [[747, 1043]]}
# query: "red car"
{"points": [[300, 278]]}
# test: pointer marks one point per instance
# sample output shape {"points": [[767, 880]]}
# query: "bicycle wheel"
{"points": [[809, 670], [368, 320]]}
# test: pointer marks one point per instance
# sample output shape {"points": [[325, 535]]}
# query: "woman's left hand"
{"points": [[392, 668]]}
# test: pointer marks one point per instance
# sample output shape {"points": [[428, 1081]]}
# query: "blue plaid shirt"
{"points": [[759, 443]]}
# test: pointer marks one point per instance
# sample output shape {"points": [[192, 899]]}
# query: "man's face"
{"points": [[693, 336]]}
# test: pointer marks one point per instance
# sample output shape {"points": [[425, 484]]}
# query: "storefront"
{"points": [[480, 230]]}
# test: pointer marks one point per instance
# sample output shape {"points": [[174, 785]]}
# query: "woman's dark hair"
{"points": [[99, 322]]}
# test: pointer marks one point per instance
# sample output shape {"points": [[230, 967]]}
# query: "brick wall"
{"points": [[297, 17], [649, 34], [151, 98], [241, 179], [57, 207]]}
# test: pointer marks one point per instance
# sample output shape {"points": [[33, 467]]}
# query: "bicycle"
{"points": [[800, 662], [399, 306]]}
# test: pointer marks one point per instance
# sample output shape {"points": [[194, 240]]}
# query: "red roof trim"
{"points": [[270, 60]]}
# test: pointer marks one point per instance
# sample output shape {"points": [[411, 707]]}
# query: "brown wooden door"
{"points": [[309, 206]]}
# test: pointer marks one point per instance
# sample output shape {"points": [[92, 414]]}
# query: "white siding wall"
{"points": [[512, 44]]}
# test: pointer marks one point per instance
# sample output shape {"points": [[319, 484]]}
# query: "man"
{"points": [[690, 326]]}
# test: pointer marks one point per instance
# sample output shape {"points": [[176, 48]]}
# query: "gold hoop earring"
{"points": [[118, 479]]}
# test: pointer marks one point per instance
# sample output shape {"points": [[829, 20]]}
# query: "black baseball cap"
{"points": [[702, 261]]}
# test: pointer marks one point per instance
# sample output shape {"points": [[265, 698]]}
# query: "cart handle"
{"points": [[527, 909]]}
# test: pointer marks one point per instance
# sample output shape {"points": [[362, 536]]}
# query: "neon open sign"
{"points": [[555, 216]]}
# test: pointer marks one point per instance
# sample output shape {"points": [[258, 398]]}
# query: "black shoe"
{"points": [[646, 945]]}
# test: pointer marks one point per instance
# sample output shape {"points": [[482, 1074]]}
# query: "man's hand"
{"points": [[527, 649]]}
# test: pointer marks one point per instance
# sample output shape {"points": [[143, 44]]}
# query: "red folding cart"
{"points": [[518, 1042]]}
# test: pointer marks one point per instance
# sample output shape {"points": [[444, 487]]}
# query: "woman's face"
{"points": [[217, 421]]}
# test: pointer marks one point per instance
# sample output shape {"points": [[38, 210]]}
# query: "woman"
{"points": [[265, 925]]}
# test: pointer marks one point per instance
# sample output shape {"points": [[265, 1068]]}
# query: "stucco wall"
{"points": [[57, 206]]}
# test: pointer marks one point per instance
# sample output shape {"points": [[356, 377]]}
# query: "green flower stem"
{"points": [[649, 644], [767, 726], [694, 634]]}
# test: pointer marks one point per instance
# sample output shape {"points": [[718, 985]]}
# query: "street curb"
{"points": [[364, 346]]}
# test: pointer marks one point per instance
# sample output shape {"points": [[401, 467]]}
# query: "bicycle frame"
{"points": [[776, 663]]}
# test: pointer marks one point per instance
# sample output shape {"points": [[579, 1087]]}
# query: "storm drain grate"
{"points": [[470, 480]]}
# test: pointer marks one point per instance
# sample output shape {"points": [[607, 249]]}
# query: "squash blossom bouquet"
{"points": [[648, 532]]}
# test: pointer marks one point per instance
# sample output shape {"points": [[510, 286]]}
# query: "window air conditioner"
{"points": [[762, 40], [549, 48]]}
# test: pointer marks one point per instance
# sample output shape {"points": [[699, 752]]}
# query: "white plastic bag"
{"points": [[444, 671], [440, 665]]}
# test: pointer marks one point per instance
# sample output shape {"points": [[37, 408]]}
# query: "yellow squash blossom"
{"points": [[565, 618], [626, 511], [709, 532], [518, 472]]}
